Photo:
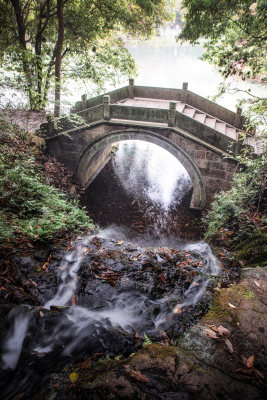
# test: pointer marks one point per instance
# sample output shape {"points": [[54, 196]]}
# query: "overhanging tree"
{"points": [[235, 33], [43, 39]]}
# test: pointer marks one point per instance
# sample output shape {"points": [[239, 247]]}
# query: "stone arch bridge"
{"points": [[202, 135]]}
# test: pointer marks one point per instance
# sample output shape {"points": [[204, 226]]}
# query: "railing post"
{"points": [[131, 88], [84, 98], [106, 104], [238, 117], [171, 114], [184, 92]]}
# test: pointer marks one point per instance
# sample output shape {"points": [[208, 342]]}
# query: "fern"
{"points": [[147, 340]]}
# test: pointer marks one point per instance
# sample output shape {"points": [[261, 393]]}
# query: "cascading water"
{"points": [[145, 169], [143, 188], [102, 309]]}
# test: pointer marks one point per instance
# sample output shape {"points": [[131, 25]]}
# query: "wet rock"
{"points": [[199, 366], [151, 282], [5, 308]]}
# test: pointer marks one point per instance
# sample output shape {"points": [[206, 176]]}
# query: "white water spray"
{"points": [[145, 169]]}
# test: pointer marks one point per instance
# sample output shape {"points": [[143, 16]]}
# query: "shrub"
{"points": [[239, 216], [29, 206]]}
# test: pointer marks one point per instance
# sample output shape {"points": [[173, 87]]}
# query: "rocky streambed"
{"points": [[110, 319]]}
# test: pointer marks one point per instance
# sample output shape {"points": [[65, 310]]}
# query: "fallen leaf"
{"points": [[257, 283], [44, 267], [211, 326], [250, 361], [244, 360], [162, 279], [229, 345], [86, 363], [187, 336], [68, 248], [177, 310], [223, 331], [231, 305], [3, 288], [137, 375], [119, 242], [41, 314], [210, 333], [73, 377]]}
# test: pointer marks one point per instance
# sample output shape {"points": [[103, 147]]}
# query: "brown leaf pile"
{"points": [[56, 174]]}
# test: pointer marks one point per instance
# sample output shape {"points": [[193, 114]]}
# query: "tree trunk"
{"points": [[25, 62], [59, 47]]}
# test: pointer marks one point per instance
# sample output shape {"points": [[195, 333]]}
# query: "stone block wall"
{"points": [[215, 171]]}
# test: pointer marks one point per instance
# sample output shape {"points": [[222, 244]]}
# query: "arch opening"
{"points": [[95, 150]]}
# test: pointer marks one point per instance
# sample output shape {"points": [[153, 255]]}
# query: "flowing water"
{"points": [[146, 189], [142, 196], [108, 319], [38, 342]]}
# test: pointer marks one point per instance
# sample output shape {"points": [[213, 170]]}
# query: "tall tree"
{"points": [[42, 40], [235, 33]]}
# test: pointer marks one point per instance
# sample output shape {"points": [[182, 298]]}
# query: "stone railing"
{"points": [[184, 95], [104, 108]]}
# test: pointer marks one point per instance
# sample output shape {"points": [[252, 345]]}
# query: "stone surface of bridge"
{"points": [[202, 135]]}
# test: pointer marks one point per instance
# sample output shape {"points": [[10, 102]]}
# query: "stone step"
{"points": [[220, 127], [180, 106], [231, 132], [211, 122], [200, 117], [189, 111]]}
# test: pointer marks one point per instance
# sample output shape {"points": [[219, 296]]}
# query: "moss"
{"points": [[217, 311], [253, 249], [156, 350], [244, 292], [220, 310]]}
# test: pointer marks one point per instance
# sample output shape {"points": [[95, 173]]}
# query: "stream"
{"points": [[145, 273], [141, 275], [110, 295]]}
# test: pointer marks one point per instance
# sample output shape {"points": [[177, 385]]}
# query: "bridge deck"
{"points": [[186, 109], [126, 104]]}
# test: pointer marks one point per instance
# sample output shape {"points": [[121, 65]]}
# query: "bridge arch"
{"points": [[88, 156]]}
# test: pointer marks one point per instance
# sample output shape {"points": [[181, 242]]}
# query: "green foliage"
{"points": [[235, 33], [88, 45], [238, 218], [29, 207], [254, 108], [147, 340]]}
